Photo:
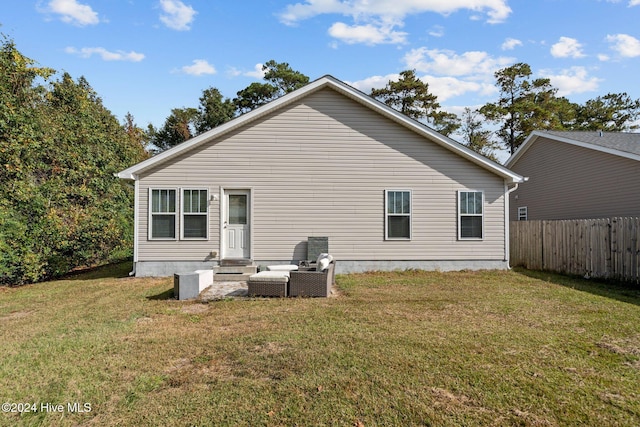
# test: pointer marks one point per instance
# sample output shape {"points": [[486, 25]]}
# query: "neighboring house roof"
{"points": [[343, 88], [616, 143]]}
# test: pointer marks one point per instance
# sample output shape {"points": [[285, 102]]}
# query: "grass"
{"points": [[402, 348]]}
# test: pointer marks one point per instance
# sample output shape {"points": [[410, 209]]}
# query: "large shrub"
{"points": [[61, 206]]}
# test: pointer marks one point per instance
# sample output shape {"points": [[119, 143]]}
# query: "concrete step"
{"points": [[247, 269], [231, 277], [235, 262]]}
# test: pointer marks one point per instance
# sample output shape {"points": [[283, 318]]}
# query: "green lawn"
{"points": [[406, 348]]}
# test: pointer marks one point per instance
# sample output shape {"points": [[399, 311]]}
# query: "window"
{"points": [[163, 214], [470, 214], [398, 214], [522, 213], [194, 214]]}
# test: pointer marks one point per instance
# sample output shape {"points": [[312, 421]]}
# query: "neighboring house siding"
{"points": [[570, 182], [319, 167]]}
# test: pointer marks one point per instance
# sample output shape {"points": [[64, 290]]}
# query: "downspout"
{"points": [[507, 248], [507, 243], [136, 217]]}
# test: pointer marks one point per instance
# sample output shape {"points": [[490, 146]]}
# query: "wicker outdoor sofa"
{"points": [[294, 281], [311, 283]]}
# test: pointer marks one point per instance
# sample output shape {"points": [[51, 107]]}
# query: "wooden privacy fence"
{"points": [[595, 248]]}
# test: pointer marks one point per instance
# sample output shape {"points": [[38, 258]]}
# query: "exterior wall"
{"points": [[320, 167], [571, 182]]}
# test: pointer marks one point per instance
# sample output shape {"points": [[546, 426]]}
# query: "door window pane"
{"points": [[237, 209]]}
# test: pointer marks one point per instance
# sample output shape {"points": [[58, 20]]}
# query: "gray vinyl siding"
{"points": [[571, 182], [320, 167]]}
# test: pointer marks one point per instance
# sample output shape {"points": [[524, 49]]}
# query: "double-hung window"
{"points": [[523, 214], [397, 214], [194, 213], [163, 214], [470, 215]]}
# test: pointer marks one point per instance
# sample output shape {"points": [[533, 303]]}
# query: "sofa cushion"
{"points": [[283, 267], [270, 276]]}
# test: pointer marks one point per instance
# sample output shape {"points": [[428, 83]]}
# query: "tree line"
{"points": [[524, 104], [61, 207]]}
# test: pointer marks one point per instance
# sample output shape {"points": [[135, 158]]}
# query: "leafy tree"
{"points": [[135, 133], [475, 137], [281, 79], [214, 110], [21, 130], [614, 112], [61, 206], [524, 105], [178, 127], [411, 97]]}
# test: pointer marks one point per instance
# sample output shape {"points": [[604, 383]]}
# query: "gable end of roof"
{"points": [[620, 144], [346, 90]]}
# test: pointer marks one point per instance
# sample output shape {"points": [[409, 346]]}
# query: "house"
{"points": [[576, 175], [325, 160]]}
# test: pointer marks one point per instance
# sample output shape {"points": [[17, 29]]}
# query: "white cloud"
{"points": [[72, 12], [200, 67], [510, 44], [626, 45], [367, 34], [572, 80], [448, 74], [634, 3], [257, 72], [177, 15], [87, 52], [602, 57], [375, 21], [567, 47], [437, 31], [446, 62], [373, 82], [443, 87], [496, 10]]}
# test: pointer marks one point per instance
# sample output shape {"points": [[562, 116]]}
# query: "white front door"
{"points": [[236, 223]]}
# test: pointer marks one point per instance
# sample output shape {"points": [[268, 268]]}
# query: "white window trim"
{"points": [[182, 213], [523, 213], [151, 213], [387, 214], [460, 215]]}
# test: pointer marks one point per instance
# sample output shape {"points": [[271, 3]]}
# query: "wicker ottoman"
{"points": [[268, 284]]}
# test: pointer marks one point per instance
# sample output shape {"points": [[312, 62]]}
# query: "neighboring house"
{"points": [[325, 160], [577, 175]]}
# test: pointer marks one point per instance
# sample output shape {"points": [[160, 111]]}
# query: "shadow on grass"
{"points": [[625, 292], [116, 270], [166, 295]]}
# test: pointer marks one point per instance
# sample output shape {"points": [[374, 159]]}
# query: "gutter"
{"points": [[136, 217]]}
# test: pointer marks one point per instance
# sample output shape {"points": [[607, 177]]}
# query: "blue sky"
{"points": [[147, 57]]}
